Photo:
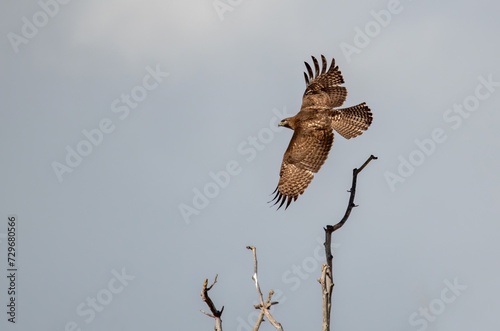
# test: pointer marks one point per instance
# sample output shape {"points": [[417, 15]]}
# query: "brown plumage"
{"points": [[313, 129]]}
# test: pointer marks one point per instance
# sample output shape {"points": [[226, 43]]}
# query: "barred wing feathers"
{"points": [[325, 81], [306, 153]]}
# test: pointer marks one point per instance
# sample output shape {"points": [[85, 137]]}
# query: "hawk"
{"points": [[313, 129]]}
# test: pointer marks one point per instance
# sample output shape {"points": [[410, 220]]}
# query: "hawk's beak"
{"points": [[282, 123]]}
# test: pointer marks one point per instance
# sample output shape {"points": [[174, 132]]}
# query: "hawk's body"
{"points": [[313, 129]]}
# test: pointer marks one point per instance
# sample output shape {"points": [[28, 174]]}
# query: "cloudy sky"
{"points": [[139, 149]]}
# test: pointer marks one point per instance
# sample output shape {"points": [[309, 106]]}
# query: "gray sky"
{"points": [[116, 115]]}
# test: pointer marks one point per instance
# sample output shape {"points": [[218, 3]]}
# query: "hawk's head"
{"points": [[285, 123]]}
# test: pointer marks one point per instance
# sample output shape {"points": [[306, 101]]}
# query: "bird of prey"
{"points": [[313, 129]]}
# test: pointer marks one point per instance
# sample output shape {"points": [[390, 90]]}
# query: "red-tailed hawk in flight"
{"points": [[313, 129]]}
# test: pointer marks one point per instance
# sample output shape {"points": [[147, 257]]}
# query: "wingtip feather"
{"points": [[316, 66], [309, 70]]}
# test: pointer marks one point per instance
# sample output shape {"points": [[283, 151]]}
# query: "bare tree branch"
{"points": [[263, 306], [351, 204], [326, 279], [216, 314]]}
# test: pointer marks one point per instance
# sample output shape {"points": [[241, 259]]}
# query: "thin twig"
{"points": [[351, 204], [216, 314]]}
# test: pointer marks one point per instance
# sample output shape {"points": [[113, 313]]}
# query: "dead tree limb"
{"points": [[326, 279], [263, 306], [216, 314]]}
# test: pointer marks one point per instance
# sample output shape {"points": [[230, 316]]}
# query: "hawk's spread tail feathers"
{"points": [[353, 121]]}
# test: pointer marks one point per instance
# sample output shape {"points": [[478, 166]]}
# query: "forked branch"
{"points": [[216, 314], [263, 306]]}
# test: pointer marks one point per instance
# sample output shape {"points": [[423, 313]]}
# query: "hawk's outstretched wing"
{"points": [[304, 156], [325, 81]]}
